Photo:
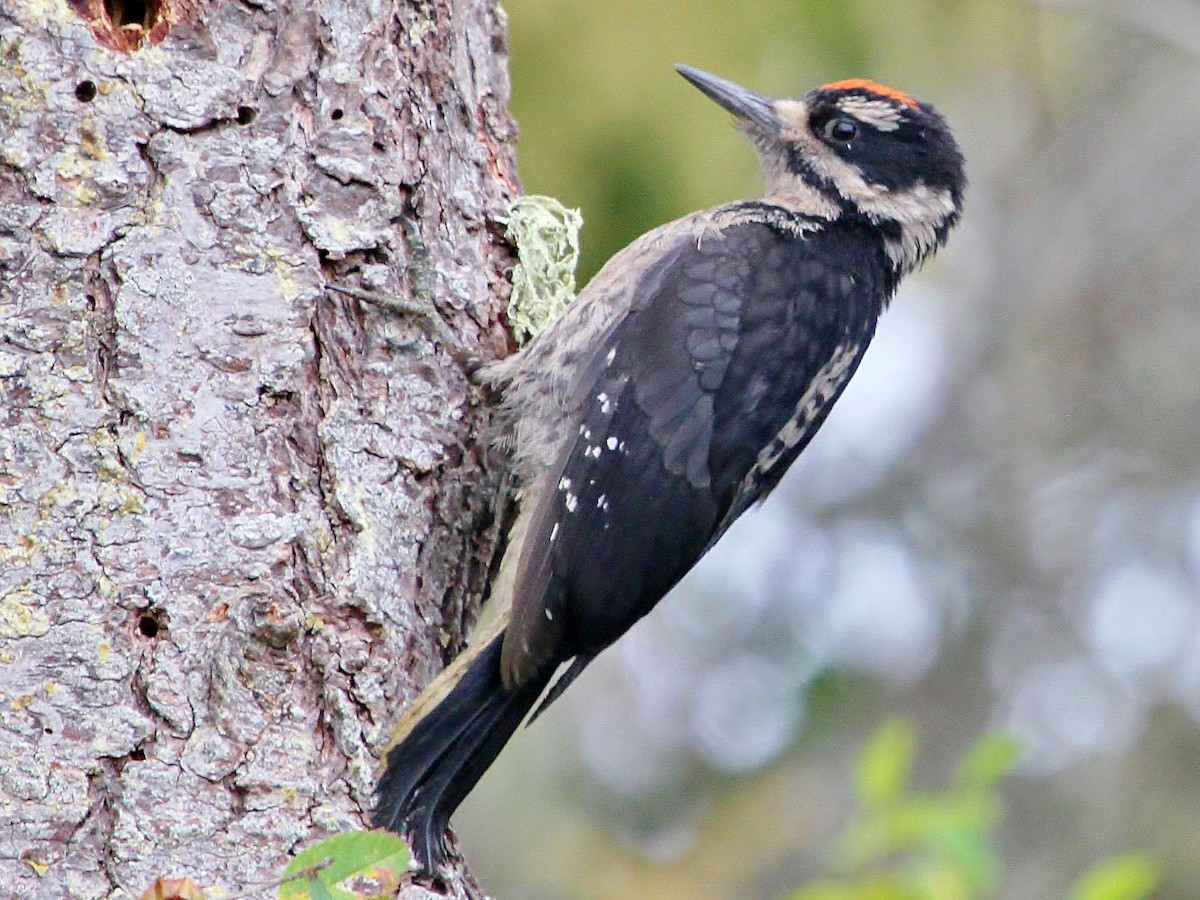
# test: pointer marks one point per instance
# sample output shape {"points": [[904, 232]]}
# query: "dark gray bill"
{"points": [[745, 104]]}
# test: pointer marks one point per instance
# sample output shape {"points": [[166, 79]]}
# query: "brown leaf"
{"points": [[174, 889]]}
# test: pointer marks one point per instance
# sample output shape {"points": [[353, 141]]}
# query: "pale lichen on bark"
{"points": [[241, 520]]}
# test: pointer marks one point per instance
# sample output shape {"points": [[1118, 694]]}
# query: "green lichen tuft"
{"points": [[546, 235]]}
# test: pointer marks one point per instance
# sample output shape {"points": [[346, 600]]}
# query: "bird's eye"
{"points": [[840, 130]]}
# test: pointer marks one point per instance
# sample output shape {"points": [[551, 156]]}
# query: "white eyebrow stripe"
{"points": [[878, 114]]}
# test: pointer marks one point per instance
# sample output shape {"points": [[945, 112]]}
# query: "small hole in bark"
{"points": [[137, 754], [246, 115], [47, 731], [85, 91], [148, 625], [336, 115]]}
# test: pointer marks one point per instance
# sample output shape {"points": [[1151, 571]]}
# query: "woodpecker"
{"points": [[669, 398]]}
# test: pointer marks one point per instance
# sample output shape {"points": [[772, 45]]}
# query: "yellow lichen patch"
{"points": [[49, 11], [21, 550], [103, 650], [91, 143], [19, 617], [33, 91], [84, 195], [76, 165], [40, 868], [110, 470], [289, 287], [73, 165], [49, 499], [131, 503]]}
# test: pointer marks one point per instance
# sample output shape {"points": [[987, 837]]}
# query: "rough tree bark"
{"points": [[241, 520]]}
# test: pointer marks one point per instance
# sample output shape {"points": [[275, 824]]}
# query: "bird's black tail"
{"points": [[445, 743]]}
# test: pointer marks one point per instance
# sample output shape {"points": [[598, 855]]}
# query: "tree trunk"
{"points": [[241, 520]]}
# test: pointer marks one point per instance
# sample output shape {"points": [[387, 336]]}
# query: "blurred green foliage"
{"points": [[606, 124], [905, 844], [1129, 877]]}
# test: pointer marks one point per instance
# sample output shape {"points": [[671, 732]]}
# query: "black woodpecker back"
{"points": [[672, 395]]}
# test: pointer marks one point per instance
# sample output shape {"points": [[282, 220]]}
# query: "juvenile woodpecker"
{"points": [[671, 396]]}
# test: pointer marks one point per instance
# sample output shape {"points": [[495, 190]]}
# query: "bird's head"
{"points": [[854, 149]]}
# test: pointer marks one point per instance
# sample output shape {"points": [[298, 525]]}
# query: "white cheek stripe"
{"points": [[917, 204], [877, 113], [919, 211]]}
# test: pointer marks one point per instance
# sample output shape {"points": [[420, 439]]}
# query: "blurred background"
{"points": [[998, 528]]}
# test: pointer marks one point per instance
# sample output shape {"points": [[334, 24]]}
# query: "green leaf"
{"points": [[989, 761], [1130, 877], [886, 764], [378, 857]]}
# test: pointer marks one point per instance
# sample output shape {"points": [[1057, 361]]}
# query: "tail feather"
{"points": [[440, 757]]}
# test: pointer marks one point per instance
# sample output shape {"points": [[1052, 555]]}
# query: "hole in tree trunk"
{"points": [[132, 13], [127, 24], [151, 622]]}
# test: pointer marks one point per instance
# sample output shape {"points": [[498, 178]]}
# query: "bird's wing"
{"points": [[684, 399]]}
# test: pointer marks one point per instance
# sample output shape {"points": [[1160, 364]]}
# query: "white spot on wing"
{"points": [[571, 502], [613, 444]]}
